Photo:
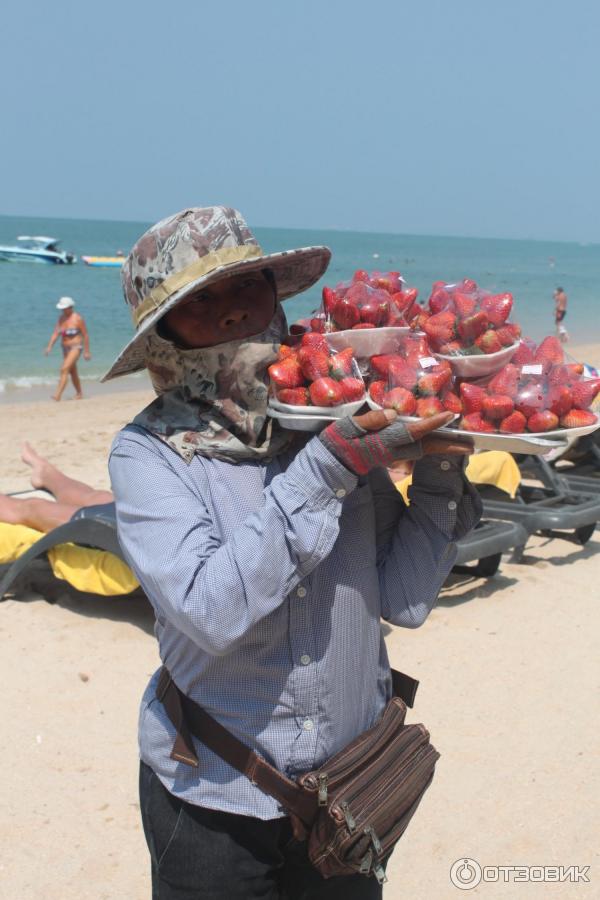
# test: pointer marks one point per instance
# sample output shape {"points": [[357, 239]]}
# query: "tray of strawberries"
{"points": [[534, 404], [311, 384], [469, 327], [366, 312]]}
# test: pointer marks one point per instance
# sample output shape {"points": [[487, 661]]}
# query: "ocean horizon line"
{"points": [[144, 224]]}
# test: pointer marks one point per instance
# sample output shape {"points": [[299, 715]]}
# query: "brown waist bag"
{"points": [[355, 807]]}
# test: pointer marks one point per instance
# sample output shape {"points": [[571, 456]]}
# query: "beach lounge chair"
{"points": [[91, 527], [555, 507]]}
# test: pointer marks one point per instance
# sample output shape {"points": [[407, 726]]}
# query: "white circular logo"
{"points": [[465, 874]]}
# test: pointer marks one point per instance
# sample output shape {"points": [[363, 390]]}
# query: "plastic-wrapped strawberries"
{"points": [[538, 392], [370, 300], [463, 320], [310, 374], [412, 381]]}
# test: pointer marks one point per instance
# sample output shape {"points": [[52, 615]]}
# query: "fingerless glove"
{"points": [[360, 450]]}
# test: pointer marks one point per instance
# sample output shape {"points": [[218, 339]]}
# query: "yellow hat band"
{"points": [[215, 260]]}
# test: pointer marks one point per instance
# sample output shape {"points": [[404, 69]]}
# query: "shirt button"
{"points": [[301, 592], [445, 465], [305, 659], [308, 724], [341, 492], [452, 504]]}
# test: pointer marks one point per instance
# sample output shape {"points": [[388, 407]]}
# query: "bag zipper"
{"points": [[414, 737], [325, 778]]}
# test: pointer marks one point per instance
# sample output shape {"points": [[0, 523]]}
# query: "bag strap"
{"points": [[186, 716]]}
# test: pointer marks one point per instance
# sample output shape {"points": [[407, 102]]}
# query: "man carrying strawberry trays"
{"points": [[269, 556]]}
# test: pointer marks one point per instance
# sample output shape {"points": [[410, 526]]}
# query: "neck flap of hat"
{"points": [[213, 402]]}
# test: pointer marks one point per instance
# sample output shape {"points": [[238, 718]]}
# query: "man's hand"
{"points": [[376, 420]]}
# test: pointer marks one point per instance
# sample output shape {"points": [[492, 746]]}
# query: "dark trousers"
{"points": [[199, 853]]}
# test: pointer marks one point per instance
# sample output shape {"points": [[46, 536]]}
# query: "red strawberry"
{"points": [[451, 401], [352, 389], [360, 275], [314, 363], [464, 304], [468, 285], [402, 374], [506, 381], [418, 321], [363, 325], [560, 399], [584, 392], [550, 351], [472, 397], [401, 400], [498, 308], [287, 373], [326, 392], [345, 314], [439, 300], [330, 298], [376, 312], [565, 374], [497, 406], [313, 339], [377, 390], [440, 327], [475, 422], [545, 420], [508, 334], [472, 326], [317, 325], [433, 380], [428, 406], [404, 299], [359, 293], [294, 396], [513, 424], [415, 347], [577, 418], [525, 353], [451, 348], [340, 364], [530, 398], [488, 342], [380, 364]]}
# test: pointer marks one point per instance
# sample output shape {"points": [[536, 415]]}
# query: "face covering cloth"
{"points": [[213, 401]]}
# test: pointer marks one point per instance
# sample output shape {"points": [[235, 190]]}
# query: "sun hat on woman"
{"points": [[65, 303], [191, 250]]}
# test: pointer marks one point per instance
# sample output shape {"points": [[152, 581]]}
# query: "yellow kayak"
{"points": [[103, 260]]}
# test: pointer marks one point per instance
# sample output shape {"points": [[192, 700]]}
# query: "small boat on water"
{"points": [[36, 249], [103, 260]]}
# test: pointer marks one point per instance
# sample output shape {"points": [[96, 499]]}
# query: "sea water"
{"points": [[530, 270]]}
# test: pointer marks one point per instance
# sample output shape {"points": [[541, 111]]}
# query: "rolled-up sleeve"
{"points": [[419, 550], [216, 591]]}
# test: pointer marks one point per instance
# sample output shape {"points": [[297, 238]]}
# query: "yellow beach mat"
{"points": [[490, 467], [92, 571]]}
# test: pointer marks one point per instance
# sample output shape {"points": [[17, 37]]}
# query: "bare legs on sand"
{"points": [[69, 368], [44, 515]]}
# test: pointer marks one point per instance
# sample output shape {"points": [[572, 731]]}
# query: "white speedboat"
{"points": [[36, 249]]}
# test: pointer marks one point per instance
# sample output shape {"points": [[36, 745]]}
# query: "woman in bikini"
{"points": [[74, 337]]}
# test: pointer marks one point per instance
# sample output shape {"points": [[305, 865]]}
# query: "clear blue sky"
{"points": [[455, 117]]}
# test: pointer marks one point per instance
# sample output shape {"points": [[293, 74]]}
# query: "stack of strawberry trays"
{"points": [[462, 353]]}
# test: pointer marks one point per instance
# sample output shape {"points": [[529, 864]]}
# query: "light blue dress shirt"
{"points": [[269, 583]]}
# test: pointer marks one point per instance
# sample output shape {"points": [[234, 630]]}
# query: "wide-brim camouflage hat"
{"points": [[191, 250]]}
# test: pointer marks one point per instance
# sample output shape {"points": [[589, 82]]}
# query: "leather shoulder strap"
{"points": [[186, 716]]}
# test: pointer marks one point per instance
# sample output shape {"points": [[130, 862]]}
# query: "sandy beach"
{"points": [[509, 690]]}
